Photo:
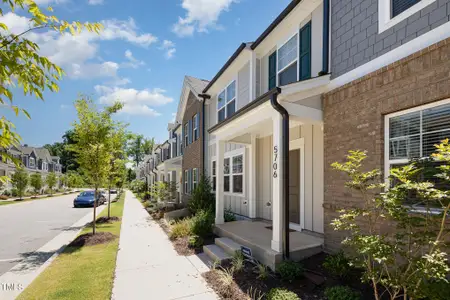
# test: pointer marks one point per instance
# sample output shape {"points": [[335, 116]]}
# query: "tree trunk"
{"points": [[95, 210], [109, 200]]}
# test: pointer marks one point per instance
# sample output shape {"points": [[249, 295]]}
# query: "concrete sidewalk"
{"points": [[147, 265]]}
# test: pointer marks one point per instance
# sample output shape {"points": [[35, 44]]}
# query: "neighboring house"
{"points": [[190, 116], [249, 139], [389, 92], [34, 160]]}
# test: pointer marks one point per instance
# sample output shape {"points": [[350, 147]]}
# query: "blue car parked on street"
{"points": [[86, 199]]}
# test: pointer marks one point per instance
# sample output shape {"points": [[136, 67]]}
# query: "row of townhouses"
{"points": [[324, 78], [34, 160]]}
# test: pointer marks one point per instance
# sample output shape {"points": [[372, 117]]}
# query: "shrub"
{"points": [[202, 197], [229, 216], [437, 290], [14, 192], [290, 271], [238, 261], [341, 293], [3, 197], [262, 271], [337, 264], [282, 294], [147, 204], [195, 241], [181, 228], [6, 193], [202, 223]]}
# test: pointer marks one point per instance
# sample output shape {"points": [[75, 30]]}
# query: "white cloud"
{"points": [[77, 54], [169, 47], [136, 102], [201, 15], [47, 2], [132, 61], [95, 2]]}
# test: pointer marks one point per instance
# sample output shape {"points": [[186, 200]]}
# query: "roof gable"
{"points": [[190, 84]]}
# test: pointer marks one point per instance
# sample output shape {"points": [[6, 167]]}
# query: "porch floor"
{"points": [[256, 235]]}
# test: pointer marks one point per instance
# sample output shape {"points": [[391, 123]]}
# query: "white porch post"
{"points": [[252, 178], [220, 150], [277, 184]]}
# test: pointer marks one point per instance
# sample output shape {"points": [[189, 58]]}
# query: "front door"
{"points": [[294, 188]]}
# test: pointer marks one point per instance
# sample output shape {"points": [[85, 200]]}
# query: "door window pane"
{"points": [[226, 166], [237, 164], [226, 183], [237, 184]]}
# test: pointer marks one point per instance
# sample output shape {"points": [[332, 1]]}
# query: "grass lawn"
{"points": [[81, 273]]}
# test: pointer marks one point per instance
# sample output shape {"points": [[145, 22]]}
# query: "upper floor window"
{"points": [[226, 102], [195, 127], [287, 61], [392, 12], [31, 162], [186, 134]]}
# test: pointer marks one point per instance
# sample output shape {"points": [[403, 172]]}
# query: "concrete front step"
{"points": [[227, 244], [216, 253]]}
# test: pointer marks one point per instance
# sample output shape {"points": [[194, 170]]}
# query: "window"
{"points": [[186, 182], [412, 134], [226, 175], [287, 61], [273, 70], [195, 126], [194, 178], [305, 52], [226, 102], [392, 12], [186, 134], [31, 162], [213, 172], [238, 169]]}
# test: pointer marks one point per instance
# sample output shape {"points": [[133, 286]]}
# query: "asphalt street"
{"points": [[26, 227]]}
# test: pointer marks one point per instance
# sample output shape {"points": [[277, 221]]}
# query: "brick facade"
{"points": [[354, 118], [193, 153]]}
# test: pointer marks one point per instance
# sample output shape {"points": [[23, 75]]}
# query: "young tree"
{"points": [[135, 150], [36, 182], [23, 67], [19, 181], [63, 181], [51, 181], [94, 131], [118, 141], [148, 145]]}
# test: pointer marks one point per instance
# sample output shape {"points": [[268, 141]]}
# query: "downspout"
{"points": [[285, 163], [204, 97], [326, 38]]}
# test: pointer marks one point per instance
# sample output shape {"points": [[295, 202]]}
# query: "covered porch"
{"points": [[258, 128]]}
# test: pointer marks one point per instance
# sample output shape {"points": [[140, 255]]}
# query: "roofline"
{"points": [[227, 64], [176, 127], [275, 23]]}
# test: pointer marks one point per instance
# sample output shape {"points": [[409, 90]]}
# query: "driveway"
{"points": [[26, 227]]}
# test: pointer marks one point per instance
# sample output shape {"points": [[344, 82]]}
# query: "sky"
{"points": [[140, 58]]}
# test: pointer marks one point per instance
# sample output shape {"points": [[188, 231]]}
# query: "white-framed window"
{"points": [[195, 127], [213, 175], [226, 175], [194, 178], [186, 182], [392, 12], [238, 174], [411, 134], [226, 102], [31, 162], [186, 135], [287, 61]]}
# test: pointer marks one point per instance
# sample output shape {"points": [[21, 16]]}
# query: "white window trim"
{"points": [[235, 99], [213, 176], [230, 155], [280, 45], [186, 182], [388, 162], [384, 13], [186, 134], [194, 178], [194, 128]]}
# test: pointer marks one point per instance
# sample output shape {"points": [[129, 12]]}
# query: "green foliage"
{"points": [[36, 182], [202, 197], [229, 216], [437, 290], [413, 251], [163, 191], [19, 181], [337, 264], [137, 186], [282, 294], [238, 261], [51, 181], [290, 270], [196, 241], [181, 228], [341, 293], [202, 223], [262, 271], [74, 180], [138, 147]]}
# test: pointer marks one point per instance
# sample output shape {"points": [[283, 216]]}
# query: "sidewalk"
{"points": [[147, 265]]}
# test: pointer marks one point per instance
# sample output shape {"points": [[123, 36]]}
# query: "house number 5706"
{"points": [[275, 162]]}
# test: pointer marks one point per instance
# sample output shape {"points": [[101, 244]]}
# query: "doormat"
{"points": [[270, 228]]}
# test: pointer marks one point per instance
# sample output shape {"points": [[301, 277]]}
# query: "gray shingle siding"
{"points": [[354, 31]]}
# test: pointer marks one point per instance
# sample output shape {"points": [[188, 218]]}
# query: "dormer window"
{"points": [[226, 102]]}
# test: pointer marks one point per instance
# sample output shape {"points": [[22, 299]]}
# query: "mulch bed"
{"points": [[310, 286], [106, 220], [89, 239]]}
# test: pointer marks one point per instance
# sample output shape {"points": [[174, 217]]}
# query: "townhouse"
{"points": [[324, 78]]}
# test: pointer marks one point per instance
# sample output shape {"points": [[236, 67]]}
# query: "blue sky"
{"points": [[147, 48]]}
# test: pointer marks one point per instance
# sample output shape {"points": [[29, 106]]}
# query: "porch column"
{"points": [[220, 150], [277, 184], [252, 178]]}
